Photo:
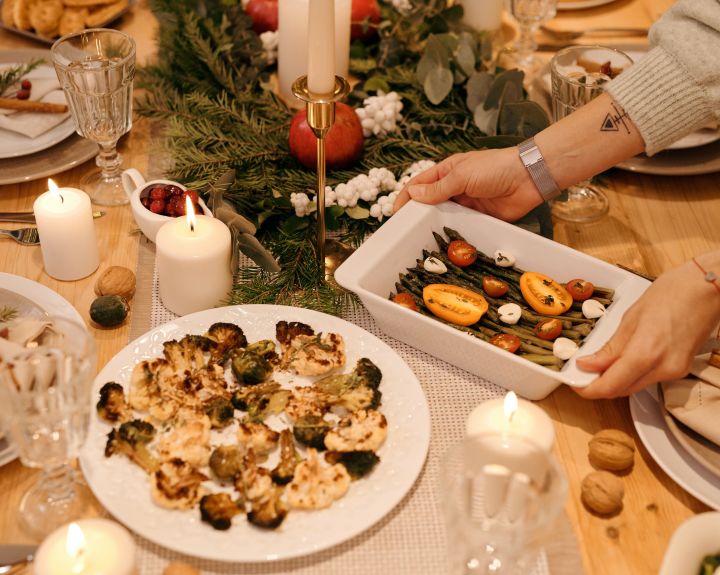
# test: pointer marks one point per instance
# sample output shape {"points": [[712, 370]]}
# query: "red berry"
{"points": [[173, 190], [22, 94], [193, 196], [198, 209], [158, 193], [26, 84], [157, 206], [179, 206], [145, 201]]}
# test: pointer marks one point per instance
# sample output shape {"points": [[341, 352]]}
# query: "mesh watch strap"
{"points": [[534, 162]]}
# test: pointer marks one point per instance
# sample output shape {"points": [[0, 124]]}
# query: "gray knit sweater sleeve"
{"points": [[675, 89]]}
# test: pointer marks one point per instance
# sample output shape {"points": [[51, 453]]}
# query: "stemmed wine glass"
{"points": [[45, 407], [529, 14], [579, 74], [96, 69]]}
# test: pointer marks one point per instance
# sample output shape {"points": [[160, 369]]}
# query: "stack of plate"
{"points": [[23, 159]]}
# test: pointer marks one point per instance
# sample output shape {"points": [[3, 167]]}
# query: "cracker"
{"points": [[105, 14], [45, 16], [87, 3], [21, 14], [73, 20], [7, 12]]}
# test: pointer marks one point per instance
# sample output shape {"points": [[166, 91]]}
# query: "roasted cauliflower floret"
{"points": [[218, 509], [258, 436], [188, 440], [314, 354], [227, 337], [177, 485], [112, 406], [260, 401], [285, 469], [363, 430], [131, 439], [269, 511], [143, 383], [355, 390], [285, 332], [308, 401], [316, 486], [188, 354]]}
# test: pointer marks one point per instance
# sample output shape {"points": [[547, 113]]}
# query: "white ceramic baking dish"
{"points": [[371, 272]]}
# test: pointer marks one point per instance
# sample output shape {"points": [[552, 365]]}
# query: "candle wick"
{"points": [[510, 417], [62, 200], [192, 227]]}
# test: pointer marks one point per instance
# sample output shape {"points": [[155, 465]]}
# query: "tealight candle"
{"points": [[293, 24], [517, 417], [67, 233], [193, 262], [87, 547]]}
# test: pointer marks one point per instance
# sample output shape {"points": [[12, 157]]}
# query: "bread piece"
{"points": [[21, 14], [7, 12], [87, 3], [105, 14], [45, 16], [73, 20]]}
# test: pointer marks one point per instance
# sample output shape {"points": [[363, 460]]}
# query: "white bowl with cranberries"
{"points": [[156, 202]]}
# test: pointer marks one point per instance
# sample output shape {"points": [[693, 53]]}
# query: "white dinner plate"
{"points": [[123, 488], [12, 144], [580, 4], [668, 453], [36, 300]]}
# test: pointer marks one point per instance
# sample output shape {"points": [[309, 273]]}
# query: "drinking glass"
{"points": [[501, 495], [579, 74], [96, 69], [45, 406], [529, 14]]}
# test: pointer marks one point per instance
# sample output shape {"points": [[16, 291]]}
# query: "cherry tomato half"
{"points": [[462, 253], [506, 341], [548, 329], [580, 290], [544, 294], [494, 287], [406, 300], [454, 304]]}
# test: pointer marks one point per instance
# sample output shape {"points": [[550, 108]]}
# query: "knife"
{"points": [[29, 217], [11, 555]]}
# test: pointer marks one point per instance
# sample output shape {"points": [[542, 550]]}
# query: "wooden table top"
{"points": [[654, 224]]}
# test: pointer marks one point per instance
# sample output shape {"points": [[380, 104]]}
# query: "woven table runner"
{"points": [[410, 539]]}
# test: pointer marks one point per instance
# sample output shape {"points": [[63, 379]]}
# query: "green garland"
{"points": [[212, 88]]}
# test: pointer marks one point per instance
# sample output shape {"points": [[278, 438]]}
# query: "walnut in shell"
{"points": [[116, 280], [602, 492], [611, 449]]}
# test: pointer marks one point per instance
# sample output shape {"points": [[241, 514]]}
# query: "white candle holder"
{"points": [[320, 118]]}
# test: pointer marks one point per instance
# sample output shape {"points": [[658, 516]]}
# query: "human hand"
{"points": [[657, 337], [491, 181]]}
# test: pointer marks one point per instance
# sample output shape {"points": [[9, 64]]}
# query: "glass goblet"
{"points": [[579, 74], [500, 495], [529, 14], [45, 406], [96, 69]]}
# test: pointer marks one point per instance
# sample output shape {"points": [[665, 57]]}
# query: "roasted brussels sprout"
{"points": [[112, 405], [218, 509], [357, 463], [250, 368], [311, 430], [265, 348], [221, 412], [226, 462], [260, 401]]}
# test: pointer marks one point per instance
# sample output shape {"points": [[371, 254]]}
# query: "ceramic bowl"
{"points": [[696, 538], [373, 269], [135, 185]]}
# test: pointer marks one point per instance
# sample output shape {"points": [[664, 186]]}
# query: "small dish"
{"points": [[149, 223], [696, 538]]}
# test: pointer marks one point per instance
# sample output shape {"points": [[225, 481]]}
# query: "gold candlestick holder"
{"points": [[320, 118]]}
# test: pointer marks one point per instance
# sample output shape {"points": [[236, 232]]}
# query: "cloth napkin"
{"points": [[16, 334], [695, 401], [45, 88]]}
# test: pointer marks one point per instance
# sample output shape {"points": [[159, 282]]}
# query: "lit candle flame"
{"points": [[54, 190], [190, 213], [75, 547], [510, 405]]}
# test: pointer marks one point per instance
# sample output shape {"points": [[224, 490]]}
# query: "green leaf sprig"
{"points": [[14, 74]]}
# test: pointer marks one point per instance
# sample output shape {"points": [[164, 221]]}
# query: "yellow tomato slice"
{"points": [[544, 294], [454, 304]]}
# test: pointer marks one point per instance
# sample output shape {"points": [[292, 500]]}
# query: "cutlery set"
{"points": [[26, 236]]}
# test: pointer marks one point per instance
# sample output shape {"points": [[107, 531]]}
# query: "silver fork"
{"points": [[25, 236], [565, 35]]}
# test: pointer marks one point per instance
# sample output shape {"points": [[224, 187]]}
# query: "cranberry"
{"points": [[145, 201], [26, 84], [193, 196], [157, 206], [158, 193], [173, 190], [22, 94]]}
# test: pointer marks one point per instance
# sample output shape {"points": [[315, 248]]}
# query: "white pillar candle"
{"points": [[517, 417], [193, 263], [321, 47], [483, 14], [87, 547], [293, 44], [67, 233]]}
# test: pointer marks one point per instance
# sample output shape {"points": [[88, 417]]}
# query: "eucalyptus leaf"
{"points": [[511, 93], [454, 13], [435, 54], [496, 90], [438, 84], [332, 217], [450, 41], [469, 40], [486, 120], [477, 87], [524, 119], [458, 76], [376, 83], [357, 212], [465, 57]]}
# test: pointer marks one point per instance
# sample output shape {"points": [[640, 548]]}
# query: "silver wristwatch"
{"points": [[533, 160]]}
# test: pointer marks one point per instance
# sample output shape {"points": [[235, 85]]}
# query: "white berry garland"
{"points": [[380, 114], [402, 6], [270, 41]]}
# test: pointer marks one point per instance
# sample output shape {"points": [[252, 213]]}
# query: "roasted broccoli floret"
{"points": [[228, 337], [362, 397], [289, 459], [311, 430], [226, 462], [251, 368], [285, 332], [366, 372], [260, 401], [113, 406], [357, 463], [131, 439], [269, 511], [221, 412], [218, 509]]}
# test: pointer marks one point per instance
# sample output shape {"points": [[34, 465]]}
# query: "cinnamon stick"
{"points": [[32, 106]]}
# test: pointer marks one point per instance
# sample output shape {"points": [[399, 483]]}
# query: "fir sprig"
{"points": [[7, 313], [14, 74]]}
